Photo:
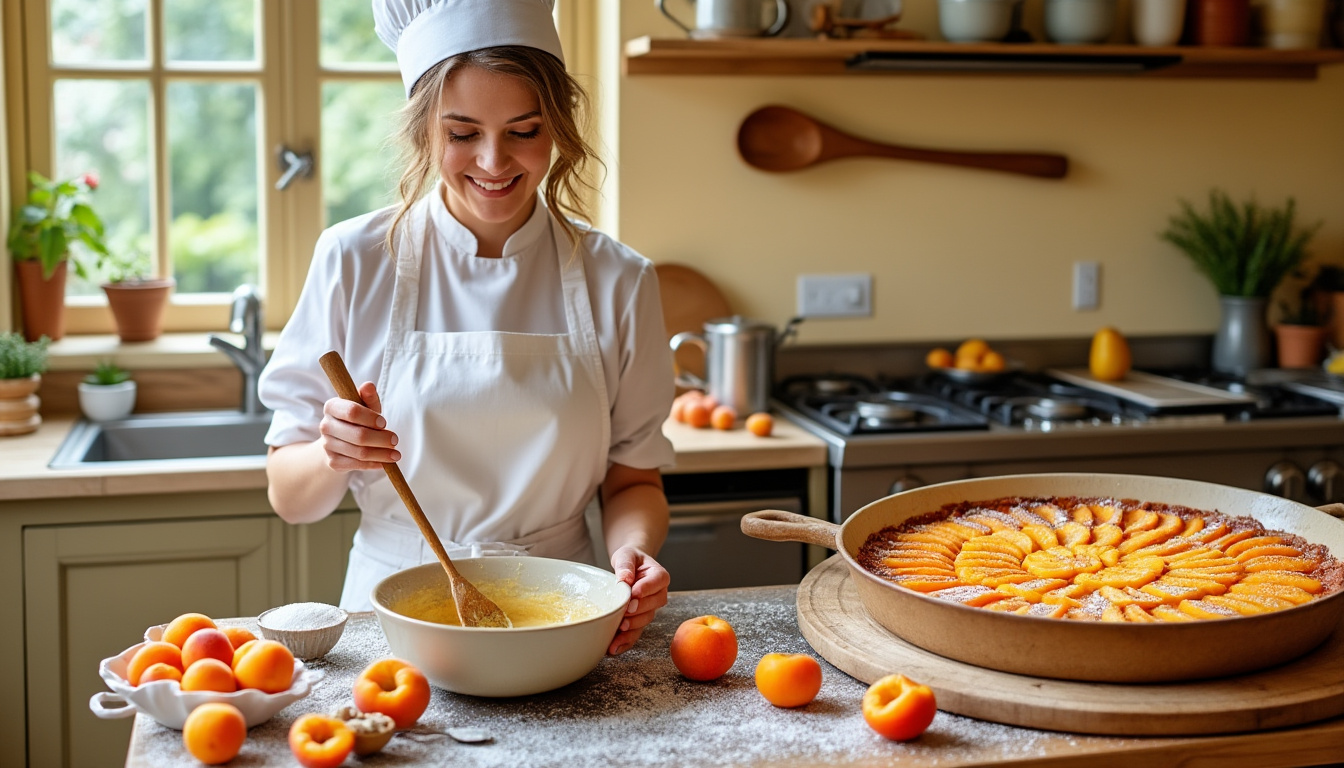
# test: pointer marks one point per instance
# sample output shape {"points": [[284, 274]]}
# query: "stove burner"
{"points": [[1050, 409], [825, 386], [878, 414]]}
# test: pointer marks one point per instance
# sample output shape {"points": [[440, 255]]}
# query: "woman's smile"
{"points": [[495, 188]]}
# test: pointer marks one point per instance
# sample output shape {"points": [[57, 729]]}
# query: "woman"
{"points": [[514, 360]]}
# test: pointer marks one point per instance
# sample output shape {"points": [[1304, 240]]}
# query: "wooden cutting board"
{"points": [[689, 300], [833, 620], [1152, 391]]}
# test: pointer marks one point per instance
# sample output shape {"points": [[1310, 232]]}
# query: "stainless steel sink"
{"points": [[163, 439]]}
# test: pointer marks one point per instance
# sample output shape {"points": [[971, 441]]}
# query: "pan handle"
{"points": [[1337, 510], [777, 525]]}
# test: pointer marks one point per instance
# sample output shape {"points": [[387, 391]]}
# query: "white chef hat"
{"points": [[425, 32]]}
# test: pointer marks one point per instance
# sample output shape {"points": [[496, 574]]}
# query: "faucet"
{"points": [[250, 358]]}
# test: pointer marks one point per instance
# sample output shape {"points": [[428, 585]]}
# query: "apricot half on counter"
{"points": [[788, 679], [318, 741], [214, 732], [179, 629], [898, 707], [394, 688], [704, 648], [265, 665]]}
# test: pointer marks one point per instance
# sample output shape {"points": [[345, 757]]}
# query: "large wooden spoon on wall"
{"points": [[473, 608], [780, 139]]}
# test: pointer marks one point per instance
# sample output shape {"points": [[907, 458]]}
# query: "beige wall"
{"points": [[956, 252]]}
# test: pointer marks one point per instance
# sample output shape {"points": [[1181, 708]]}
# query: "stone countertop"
{"points": [[635, 711], [24, 473]]}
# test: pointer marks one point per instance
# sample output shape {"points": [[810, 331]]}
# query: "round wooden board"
{"points": [[689, 299], [833, 620]]}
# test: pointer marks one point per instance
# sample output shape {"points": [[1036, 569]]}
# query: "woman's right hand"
{"points": [[355, 436]]}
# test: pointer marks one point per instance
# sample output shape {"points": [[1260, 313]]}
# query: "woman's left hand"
{"points": [[648, 592]]}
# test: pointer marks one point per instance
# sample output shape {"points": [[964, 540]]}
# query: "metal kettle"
{"points": [[739, 360]]}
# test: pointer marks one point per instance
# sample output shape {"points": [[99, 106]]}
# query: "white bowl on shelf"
{"points": [[1079, 22], [975, 21]]}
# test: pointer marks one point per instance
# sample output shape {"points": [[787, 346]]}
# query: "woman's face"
{"points": [[496, 150]]}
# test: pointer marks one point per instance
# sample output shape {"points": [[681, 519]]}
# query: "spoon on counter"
{"points": [[778, 139], [473, 608]]}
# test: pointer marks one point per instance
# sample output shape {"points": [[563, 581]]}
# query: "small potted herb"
{"points": [[21, 366], [137, 300], [1300, 333], [106, 394]]}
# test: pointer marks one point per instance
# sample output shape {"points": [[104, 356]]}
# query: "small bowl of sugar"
{"points": [[308, 630]]}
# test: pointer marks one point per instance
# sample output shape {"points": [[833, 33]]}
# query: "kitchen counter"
{"points": [[636, 710], [24, 473]]}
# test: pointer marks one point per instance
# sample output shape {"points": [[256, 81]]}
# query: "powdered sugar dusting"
{"points": [[636, 710]]}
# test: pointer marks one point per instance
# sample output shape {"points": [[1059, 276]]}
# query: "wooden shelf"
{"points": [[805, 56]]}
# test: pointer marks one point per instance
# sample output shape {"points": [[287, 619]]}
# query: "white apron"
{"points": [[503, 436]]}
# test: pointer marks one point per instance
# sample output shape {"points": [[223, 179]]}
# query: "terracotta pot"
{"points": [[43, 301], [19, 404], [1300, 346], [1222, 22], [138, 307]]}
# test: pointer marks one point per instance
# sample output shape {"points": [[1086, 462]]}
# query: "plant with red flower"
{"points": [[56, 214]]}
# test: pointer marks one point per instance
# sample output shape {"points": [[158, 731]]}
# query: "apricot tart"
{"points": [[1094, 559]]}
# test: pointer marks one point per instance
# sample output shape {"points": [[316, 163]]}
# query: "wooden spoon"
{"points": [[473, 608], [780, 139]]}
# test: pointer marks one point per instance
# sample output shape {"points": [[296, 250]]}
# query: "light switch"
{"points": [[835, 295], [1086, 285]]}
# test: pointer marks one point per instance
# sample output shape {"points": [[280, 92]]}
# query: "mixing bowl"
{"points": [[491, 661]]}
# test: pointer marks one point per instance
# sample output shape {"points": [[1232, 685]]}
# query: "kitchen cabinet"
{"points": [[806, 57]]}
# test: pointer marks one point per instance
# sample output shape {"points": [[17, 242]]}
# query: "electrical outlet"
{"points": [[835, 295], [1086, 285]]}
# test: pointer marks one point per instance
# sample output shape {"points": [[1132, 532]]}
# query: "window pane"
{"points": [[96, 31], [347, 34], [212, 166], [359, 165], [210, 30], [103, 126]]}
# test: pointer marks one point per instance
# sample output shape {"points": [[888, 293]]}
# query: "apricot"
{"points": [[152, 653], [992, 362], [704, 648], [699, 414], [237, 636], [265, 665], [898, 708], [394, 688], [207, 644], [179, 629], [209, 675], [788, 679], [214, 732], [319, 741], [972, 348], [761, 424], [723, 417], [160, 671], [240, 651], [938, 358]]}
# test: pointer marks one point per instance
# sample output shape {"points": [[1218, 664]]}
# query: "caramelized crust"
{"points": [[1095, 559]]}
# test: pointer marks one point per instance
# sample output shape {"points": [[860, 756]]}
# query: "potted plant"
{"points": [[1245, 251], [137, 300], [1327, 294], [41, 232], [21, 366], [107, 393], [1300, 333]]}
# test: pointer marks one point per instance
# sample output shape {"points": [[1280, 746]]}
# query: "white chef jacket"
{"points": [[346, 304]]}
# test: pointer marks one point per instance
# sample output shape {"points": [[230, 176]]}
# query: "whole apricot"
{"points": [[723, 417], [152, 653], [160, 671], [394, 688], [699, 414], [899, 708], [704, 648], [265, 665], [238, 635], [209, 675], [992, 362], [319, 741], [1109, 358], [938, 358], [788, 679], [179, 629], [761, 424], [214, 732], [972, 349], [240, 651], [207, 644]]}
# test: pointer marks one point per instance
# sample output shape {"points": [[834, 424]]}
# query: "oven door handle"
{"points": [[735, 507]]}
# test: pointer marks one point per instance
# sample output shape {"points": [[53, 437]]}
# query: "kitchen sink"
{"points": [[163, 439]]}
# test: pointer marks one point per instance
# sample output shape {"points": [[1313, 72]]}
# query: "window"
{"points": [[183, 108]]}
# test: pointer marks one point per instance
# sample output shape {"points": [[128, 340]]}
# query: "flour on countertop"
{"points": [[635, 710]]}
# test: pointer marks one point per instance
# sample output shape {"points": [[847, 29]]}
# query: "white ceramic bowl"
{"points": [[491, 661], [166, 702], [975, 21], [306, 644], [1079, 21]]}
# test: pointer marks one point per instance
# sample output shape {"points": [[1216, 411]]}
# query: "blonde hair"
{"points": [[564, 112]]}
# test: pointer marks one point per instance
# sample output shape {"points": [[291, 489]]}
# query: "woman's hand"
{"points": [[355, 437], [648, 592]]}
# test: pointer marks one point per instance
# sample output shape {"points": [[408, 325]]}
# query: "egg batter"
{"points": [[524, 607]]}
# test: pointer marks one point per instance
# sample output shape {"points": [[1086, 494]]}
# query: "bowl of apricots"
{"points": [[191, 661], [974, 361]]}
